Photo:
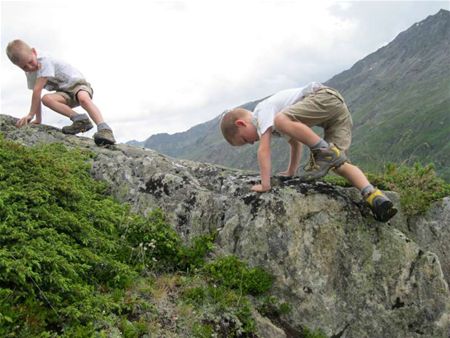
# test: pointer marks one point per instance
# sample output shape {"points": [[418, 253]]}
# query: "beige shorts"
{"points": [[325, 108], [70, 94]]}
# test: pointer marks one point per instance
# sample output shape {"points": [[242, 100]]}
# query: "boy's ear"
{"points": [[240, 123]]}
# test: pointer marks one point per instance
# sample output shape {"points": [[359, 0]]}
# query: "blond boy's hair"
{"points": [[227, 124], [16, 50]]}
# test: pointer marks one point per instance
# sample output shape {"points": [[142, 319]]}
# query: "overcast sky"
{"points": [[165, 66]]}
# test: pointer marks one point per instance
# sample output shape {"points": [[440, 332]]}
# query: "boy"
{"points": [[292, 113], [71, 88]]}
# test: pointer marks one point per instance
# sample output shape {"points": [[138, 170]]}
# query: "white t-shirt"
{"points": [[60, 75], [265, 111]]}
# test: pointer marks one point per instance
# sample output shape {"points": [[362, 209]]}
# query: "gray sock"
{"points": [[321, 144], [103, 125], [366, 191], [79, 117]]}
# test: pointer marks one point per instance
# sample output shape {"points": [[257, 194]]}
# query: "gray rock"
{"points": [[340, 270], [432, 232]]}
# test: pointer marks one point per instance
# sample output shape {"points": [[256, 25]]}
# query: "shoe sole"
{"points": [[74, 133], [320, 174], [385, 212], [103, 142]]}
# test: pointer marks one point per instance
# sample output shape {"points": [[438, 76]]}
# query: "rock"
{"points": [[432, 232], [339, 269]]}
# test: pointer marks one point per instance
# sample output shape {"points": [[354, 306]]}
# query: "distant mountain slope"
{"points": [[400, 101], [400, 98]]}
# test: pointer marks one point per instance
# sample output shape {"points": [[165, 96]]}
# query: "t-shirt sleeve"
{"points": [[47, 68], [264, 117], [31, 79]]}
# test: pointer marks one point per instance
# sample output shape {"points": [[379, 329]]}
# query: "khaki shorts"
{"points": [[70, 94], [325, 108]]}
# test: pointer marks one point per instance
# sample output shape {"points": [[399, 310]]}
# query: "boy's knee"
{"points": [[47, 100], [83, 98]]}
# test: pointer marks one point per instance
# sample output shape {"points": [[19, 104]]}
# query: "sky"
{"points": [[166, 66]]}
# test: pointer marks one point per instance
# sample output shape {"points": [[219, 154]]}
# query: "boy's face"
{"points": [[28, 62], [246, 134]]}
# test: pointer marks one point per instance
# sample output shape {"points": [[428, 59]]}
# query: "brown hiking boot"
{"points": [[321, 161], [104, 137], [79, 126], [382, 207]]}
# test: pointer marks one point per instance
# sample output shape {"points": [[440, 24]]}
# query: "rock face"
{"points": [[339, 269]]}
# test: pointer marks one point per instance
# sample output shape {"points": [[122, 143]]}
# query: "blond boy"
{"points": [[71, 90], [292, 113]]}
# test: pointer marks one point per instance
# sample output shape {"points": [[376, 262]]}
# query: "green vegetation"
{"points": [[313, 333], [234, 274], [418, 185], [74, 262]]}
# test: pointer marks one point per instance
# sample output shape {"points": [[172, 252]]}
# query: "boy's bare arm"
{"points": [[294, 159], [35, 109], [265, 164]]}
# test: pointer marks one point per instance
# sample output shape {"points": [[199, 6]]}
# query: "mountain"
{"points": [[399, 97]]}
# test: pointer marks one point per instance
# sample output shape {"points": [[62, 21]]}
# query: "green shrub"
{"points": [[271, 307], [155, 245], [58, 239], [70, 255], [308, 333], [418, 185], [229, 271], [226, 310], [193, 257], [67, 250], [223, 302]]}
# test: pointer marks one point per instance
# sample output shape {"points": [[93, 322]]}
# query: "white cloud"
{"points": [[165, 66]]}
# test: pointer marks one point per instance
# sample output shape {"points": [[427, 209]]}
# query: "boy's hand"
{"points": [[260, 188], [24, 121]]}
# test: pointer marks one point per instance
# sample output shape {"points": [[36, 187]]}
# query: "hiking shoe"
{"points": [[104, 137], [321, 161], [79, 126], [382, 208]]}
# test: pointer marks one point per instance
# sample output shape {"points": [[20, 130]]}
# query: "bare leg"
{"points": [[58, 103], [354, 175], [296, 130], [86, 103]]}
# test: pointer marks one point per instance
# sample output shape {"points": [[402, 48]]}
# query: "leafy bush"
{"points": [[70, 256], [222, 308], [58, 238], [67, 250], [223, 301], [230, 272], [155, 245], [418, 186]]}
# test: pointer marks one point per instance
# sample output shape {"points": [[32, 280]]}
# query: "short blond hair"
{"points": [[17, 49], [228, 125]]}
